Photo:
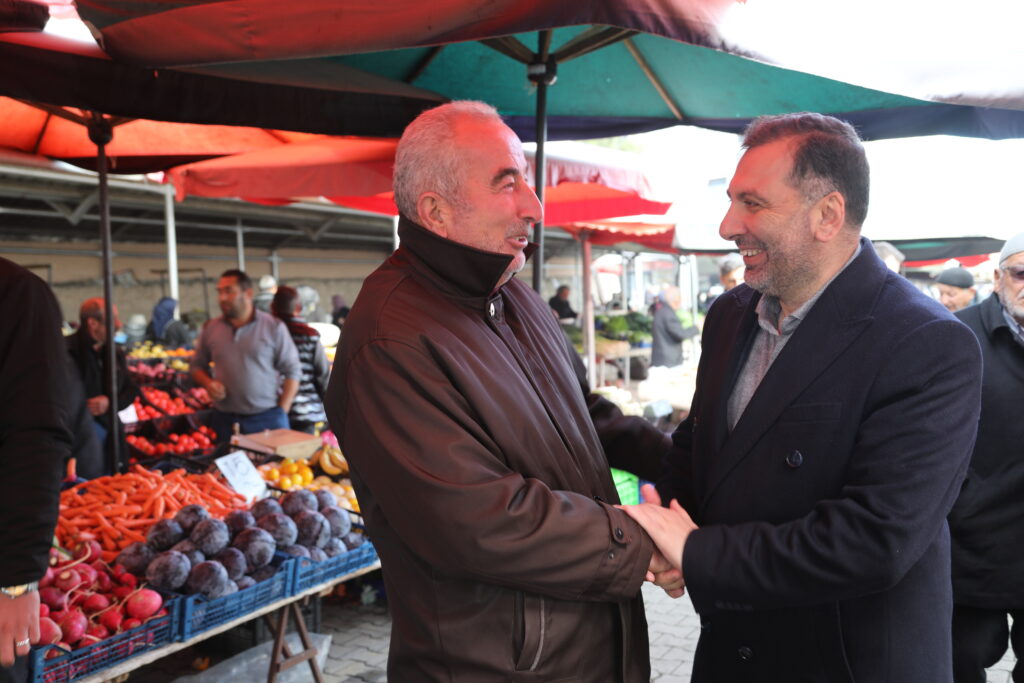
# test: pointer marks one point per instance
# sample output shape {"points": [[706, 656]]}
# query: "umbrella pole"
{"points": [[588, 310], [172, 247], [543, 73], [100, 133]]}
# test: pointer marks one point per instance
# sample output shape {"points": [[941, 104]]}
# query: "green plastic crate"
{"points": [[628, 486]]}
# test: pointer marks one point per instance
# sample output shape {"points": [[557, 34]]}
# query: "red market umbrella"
{"points": [[357, 172]]}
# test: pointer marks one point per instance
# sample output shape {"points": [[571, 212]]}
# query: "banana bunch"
{"points": [[330, 460]]}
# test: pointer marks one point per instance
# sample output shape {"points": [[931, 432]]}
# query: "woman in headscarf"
{"points": [[164, 328]]}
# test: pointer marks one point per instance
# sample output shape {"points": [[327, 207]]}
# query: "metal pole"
{"points": [[394, 233], [172, 248], [100, 133], [543, 73], [240, 240], [275, 265], [588, 311]]}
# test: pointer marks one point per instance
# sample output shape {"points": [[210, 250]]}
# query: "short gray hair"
{"points": [[426, 161]]}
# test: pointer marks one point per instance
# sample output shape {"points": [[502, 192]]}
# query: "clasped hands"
{"points": [[668, 528]]}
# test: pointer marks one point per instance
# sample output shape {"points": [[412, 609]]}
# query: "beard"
{"points": [[788, 266]]}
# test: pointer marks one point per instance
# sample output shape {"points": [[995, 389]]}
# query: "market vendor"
{"points": [[250, 352], [480, 474], [87, 348]]}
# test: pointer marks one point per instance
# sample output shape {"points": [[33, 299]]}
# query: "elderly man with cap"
{"points": [[988, 519], [956, 288]]}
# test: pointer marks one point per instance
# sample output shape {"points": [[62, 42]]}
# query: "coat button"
{"points": [[795, 459], [611, 554], [745, 653], [491, 309], [619, 534]]}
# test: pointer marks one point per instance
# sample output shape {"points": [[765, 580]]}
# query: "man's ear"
{"points": [[830, 215], [435, 213]]}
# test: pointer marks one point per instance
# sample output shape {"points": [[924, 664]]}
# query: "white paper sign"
{"points": [[128, 415], [242, 475]]}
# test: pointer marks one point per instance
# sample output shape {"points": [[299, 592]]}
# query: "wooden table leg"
{"points": [[280, 630]]}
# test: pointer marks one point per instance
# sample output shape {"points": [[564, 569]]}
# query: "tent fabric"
{"points": [[338, 100], [714, 80], [659, 236]]}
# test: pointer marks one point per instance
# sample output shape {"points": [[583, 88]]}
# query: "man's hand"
{"points": [[19, 625], [668, 527], [97, 405], [662, 574], [217, 390]]}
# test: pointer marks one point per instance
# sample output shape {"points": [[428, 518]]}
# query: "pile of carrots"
{"points": [[118, 510]]}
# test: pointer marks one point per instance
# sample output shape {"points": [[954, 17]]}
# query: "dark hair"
{"points": [[828, 157], [563, 288], [243, 280], [283, 305]]}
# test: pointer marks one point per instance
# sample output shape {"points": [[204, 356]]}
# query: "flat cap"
{"points": [[956, 277]]}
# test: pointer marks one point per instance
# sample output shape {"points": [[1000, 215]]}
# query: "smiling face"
{"points": [[495, 207], [1009, 285], [771, 223]]}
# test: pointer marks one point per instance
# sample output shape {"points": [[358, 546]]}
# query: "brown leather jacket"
{"points": [[482, 480]]}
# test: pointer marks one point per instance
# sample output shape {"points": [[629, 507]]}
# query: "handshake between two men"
{"points": [[668, 527]]}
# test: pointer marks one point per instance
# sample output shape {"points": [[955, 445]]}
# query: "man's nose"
{"points": [[731, 227], [530, 207]]}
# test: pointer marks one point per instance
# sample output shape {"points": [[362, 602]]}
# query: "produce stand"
{"points": [[277, 664]]}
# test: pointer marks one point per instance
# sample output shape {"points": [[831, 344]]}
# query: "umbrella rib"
{"points": [[594, 38], [58, 111], [421, 66], [510, 47], [653, 78]]}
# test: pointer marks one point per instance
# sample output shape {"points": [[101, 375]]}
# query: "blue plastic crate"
{"points": [[199, 614], [85, 661], [309, 573]]}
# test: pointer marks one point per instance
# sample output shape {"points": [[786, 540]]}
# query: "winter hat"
{"points": [[1013, 245], [956, 277]]}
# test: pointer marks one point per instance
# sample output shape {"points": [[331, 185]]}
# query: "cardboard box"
{"points": [[284, 442]]}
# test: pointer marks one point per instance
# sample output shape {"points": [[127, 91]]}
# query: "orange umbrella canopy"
{"points": [[138, 145], [356, 172]]}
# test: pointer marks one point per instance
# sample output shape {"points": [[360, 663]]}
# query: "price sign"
{"points": [[242, 475], [128, 415]]}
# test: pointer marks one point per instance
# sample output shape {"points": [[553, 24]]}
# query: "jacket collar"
{"points": [[458, 270]]}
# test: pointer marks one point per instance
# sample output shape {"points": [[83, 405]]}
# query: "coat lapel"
{"points": [[839, 316]]}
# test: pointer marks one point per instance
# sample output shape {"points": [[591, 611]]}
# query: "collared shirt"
{"points": [[249, 361], [771, 338], [1015, 328]]}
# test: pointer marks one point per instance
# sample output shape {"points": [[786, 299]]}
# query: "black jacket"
{"points": [[89, 363], [987, 522], [35, 437], [823, 550]]}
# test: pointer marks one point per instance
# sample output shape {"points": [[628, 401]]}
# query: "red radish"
{"points": [[97, 631], [112, 619], [95, 603], [53, 597], [87, 573], [55, 652], [44, 610], [103, 582], [49, 632], [48, 578], [128, 579], [89, 549], [73, 626], [144, 604], [67, 580], [129, 624], [86, 641], [121, 592]]}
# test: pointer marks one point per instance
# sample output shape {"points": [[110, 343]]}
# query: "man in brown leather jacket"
{"points": [[483, 482]]}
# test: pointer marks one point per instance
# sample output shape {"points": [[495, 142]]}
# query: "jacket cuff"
{"points": [[624, 562]]}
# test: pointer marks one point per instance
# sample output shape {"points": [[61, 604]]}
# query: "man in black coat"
{"points": [[988, 519], [834, 416], [35, 439]]}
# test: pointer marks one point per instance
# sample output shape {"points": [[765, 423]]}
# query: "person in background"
{"points": [[478, 469], [730, 271], [339, 310], [834, 416], [892, 257], [956, 288], [667, 333], [250, 351], [265, 295], [87, 348], [307, 409], [35, 440], [164, 329], [987, 521], [560, 305]]}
